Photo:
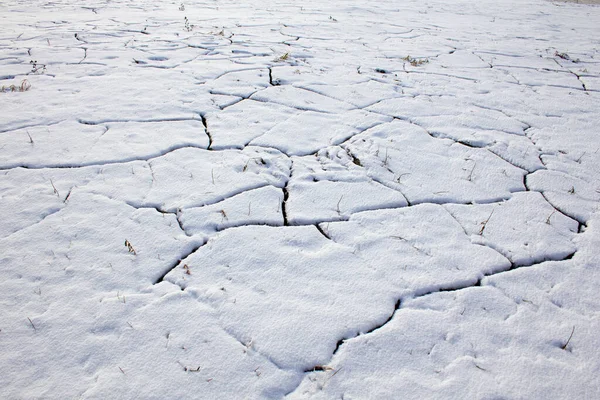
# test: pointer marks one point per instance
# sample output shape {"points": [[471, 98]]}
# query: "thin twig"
{"points": [[338, 204], [564, 347], [484, 223], [54, 187]]}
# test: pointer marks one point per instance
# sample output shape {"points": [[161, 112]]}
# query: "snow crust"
{"points": [[242, 199]]}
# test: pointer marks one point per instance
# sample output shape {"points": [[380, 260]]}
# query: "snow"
{"points": [[318, 200]]}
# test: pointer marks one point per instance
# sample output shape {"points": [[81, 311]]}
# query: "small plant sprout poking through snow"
{"points": [[550, 216], [186, 24], [30, 138], [564, 346], [23, 87], [338, 205], [283, 57], [32, 325], [484, 223], [54, 188], [470, 177], [68, 195], [399, 179], [37, 68], [415, 62], [130, 247], [121, 298]]}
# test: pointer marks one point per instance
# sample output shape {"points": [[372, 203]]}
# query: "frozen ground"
{"points": [[330, 200]]}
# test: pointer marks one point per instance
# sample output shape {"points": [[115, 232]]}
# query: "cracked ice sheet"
{"points": [[301, 99], [71, 143], [507, 336], [114, 345], [310, 131], [312, 202], [348, 284], [254, 207], [190, 177], [120, 329], [340, 46], [472, 124], [194, 177], [72, 253], [240, 123], [46, 192], [525, 229], [570, 181], [142, 99], [240, 83], [205, 178], [426, 169]]}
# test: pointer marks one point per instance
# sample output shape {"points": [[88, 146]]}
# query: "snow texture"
{"points": [[325, 200]]}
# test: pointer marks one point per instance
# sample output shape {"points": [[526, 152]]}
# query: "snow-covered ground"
{"points": [[334, 200]]}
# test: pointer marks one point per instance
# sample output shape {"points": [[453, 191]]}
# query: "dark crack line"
{"points": [[52, 212], [529, 171], [243, 224], [271, 82], [321, 231], [249, 346], [2, 130], [239, 100], [479, 282], [286, 195], [580, 221], [205, 123], [456, 141], [525, 185], [393, 187], [357, 133], [102, 163], [150, 120], [423, 293], [355, 160], [227, 197], [180, 223], [567, 70], [177, 262]]}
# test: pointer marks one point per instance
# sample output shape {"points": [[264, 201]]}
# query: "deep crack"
{"points": [[322, 232], [418, 294], [178, 261], [205, 123]]}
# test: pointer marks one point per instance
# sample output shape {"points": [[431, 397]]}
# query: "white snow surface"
{"points": [[303, 200]]}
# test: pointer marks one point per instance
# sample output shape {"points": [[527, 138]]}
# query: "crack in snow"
{"points": [[417, 293]]}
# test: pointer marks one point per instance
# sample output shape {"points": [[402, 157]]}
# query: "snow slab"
{"points": [[319, 200]]}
